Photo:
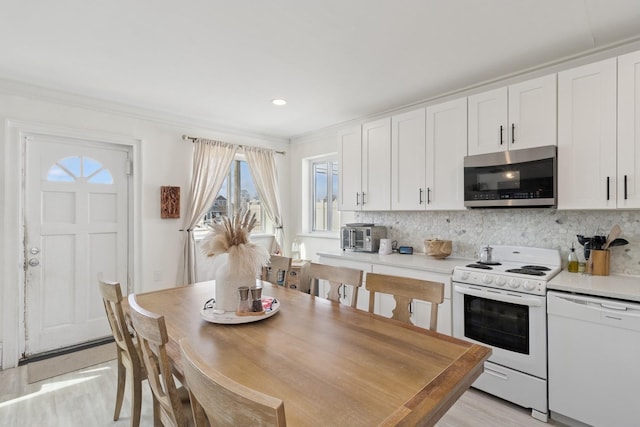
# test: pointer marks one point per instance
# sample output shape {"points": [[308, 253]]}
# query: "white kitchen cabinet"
{"points": [[446, 148], [350, 168], [587, 136], [628, 176], [376, 165], [365, 167], [427, 155], [408, 161], [522, 115]]}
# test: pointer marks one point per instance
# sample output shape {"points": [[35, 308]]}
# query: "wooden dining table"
{"points": [[331, 364]]}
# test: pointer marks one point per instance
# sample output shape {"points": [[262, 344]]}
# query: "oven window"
{"points": [[496, 323]]}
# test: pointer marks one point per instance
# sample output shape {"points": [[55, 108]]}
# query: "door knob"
{"points": [[34, 262]]}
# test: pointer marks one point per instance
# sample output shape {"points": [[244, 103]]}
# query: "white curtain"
{"points": [[265, 175], [211, 163]]}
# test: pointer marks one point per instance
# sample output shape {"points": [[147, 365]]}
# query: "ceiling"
{"points": [[222, 62]]}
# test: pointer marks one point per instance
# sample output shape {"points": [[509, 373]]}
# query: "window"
{"points": [[238, 191], [79, 169], [324, 200]]}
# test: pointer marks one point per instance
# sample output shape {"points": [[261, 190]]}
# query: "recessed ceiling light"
{"points": [[279, 102]]}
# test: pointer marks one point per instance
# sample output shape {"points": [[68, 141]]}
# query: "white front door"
{"points": [[76, 222]]}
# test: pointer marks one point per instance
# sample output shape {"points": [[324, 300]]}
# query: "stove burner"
{"points": [[481, 266], [536, 267], [488, 263], [528, 271]]}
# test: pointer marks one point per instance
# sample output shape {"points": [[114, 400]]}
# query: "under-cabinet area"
{"points": [[418, 266]]}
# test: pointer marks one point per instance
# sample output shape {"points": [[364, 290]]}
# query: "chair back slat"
{"points": [[404, 291], [279, 266], [225, 401], [152, 337], [337, 277]]}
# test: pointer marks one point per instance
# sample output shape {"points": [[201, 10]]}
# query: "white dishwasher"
{"points": [[594, 359]]}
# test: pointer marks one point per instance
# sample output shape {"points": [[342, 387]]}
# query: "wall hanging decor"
{"points": [[169, 202]]}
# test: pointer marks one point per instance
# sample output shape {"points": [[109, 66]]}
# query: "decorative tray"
{"points": [[231, 318]]}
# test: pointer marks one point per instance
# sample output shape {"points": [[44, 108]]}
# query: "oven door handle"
{"points": [[498, 296]]}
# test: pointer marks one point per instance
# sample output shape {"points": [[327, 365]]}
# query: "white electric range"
{"points": [[502, 304]]}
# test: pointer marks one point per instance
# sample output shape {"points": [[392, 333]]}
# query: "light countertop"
{"points": [[620, 287], [417, 261]]}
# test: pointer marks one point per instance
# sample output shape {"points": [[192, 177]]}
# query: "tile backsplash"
{"points": [[546, 228]]}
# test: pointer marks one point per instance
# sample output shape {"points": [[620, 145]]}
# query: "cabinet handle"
{"points": [[357, 199], [363, 202], [608, 188], [513, 133], [428, 195], [501, 134], [420, 196], [625, 187]]}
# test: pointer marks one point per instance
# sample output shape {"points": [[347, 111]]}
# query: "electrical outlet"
{"points": [[157, 276]]}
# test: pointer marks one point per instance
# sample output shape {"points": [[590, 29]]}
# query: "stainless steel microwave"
{"points": [[518, 178], [361, 237]]}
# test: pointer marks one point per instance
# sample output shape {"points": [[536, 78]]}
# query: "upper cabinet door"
{"points": [[629, 131], [587, 136], [446, 148], [350, 167], [488, 122], [376, 165], [532, 113], [408, 182]]}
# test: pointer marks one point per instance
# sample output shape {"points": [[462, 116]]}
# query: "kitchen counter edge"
{"points": [[614, 286], [417, 261]]}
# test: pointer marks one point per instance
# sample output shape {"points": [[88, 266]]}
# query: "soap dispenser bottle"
{"points": [[572, 264]]}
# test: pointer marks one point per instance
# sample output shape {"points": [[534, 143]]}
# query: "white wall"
{"points": [[317, 145], [164, 159]]}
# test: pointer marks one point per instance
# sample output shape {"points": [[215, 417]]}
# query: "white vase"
{"points": [[240, 269]]}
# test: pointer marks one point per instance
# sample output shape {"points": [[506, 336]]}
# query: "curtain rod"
{"points": [[193, 139]]}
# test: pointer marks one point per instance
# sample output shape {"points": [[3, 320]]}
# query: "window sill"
{"points": [[330, 235]]}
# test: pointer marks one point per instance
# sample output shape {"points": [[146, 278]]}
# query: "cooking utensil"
{"points": [[615, 232], [618, 242]]}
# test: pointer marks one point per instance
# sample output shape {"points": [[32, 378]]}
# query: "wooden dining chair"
{"points": [[129, 360], [224, 402], [279, 266], [404, 291], [171, 405], [338, 277]]}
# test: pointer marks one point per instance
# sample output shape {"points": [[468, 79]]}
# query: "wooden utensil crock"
{"points": [[599, 261]]}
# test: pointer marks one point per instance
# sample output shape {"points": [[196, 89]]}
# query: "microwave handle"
{"points": [[352, 238]]}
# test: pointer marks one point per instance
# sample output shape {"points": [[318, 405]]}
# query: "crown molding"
{"points": [[39, 93]]}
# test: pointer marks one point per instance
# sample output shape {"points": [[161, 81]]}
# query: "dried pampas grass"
{"points": [[231, 236]]}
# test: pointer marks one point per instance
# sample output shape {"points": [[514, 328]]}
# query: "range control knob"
{"points": [[501, 281], [529, 285], [514, 283], [464, 275], [487, 279]]}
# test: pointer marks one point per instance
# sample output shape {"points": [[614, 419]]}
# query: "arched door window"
{"points": [[79, 168]]}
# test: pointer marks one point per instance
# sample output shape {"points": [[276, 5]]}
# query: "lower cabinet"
{"points": [[384, 303]]}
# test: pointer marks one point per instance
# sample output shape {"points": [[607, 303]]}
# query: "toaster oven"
{"points": [[361, 237]]}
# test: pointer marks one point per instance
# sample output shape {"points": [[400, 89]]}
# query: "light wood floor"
{"points": [[86, 398]]}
